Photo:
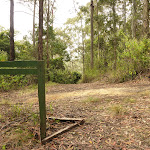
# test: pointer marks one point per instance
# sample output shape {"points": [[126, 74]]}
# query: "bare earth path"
{"points": [[117, 116]]}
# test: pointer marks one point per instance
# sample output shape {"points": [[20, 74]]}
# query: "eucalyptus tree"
{"points": [[78, 29], [40, 40], [138, 10], [114, 32], [100, 24], [12, 49], [146, 10], [124, 15], [48, 10], [92, 39], [112, 26], [83, 11], [98, 28], [133, 27], [34, 12], [47, 35]]}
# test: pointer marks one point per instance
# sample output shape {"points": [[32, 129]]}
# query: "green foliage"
{"points": [[35, 118], [57, 46], [51, 110], [4, 40], [64, 77], [57, 64], [92, 100], [91, 75], [117, 109], [3, 147], [3, 55], [24, 50], [16, 111], [133, 58], [116, 54], [59, 74], [130, 100], [10, 82]]}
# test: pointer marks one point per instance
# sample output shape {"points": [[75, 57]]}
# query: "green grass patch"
{"points": [[117, 110], [92, 100], [130, 100], [50, 83]]}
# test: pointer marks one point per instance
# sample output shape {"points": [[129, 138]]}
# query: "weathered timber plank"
{"points": [[67, 119]]}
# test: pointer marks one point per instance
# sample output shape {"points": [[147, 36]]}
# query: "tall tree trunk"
{"points": [[133, 18], [124, 16], [40, 41], [52, 11], [114, 34], [98, 43], [34, 25], [146, 8], [92, 53], [83, 50], [12, 49], [47, 38]]}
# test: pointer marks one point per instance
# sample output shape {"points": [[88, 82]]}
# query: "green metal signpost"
{"points": [[35, 68]]}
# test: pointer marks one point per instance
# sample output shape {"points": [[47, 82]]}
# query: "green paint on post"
{"points": [[41, 95], [30, 67], [19, 64], [18, 71]]}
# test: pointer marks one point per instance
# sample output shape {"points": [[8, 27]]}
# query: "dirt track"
{"points": [[77, 91], [116, 115]]}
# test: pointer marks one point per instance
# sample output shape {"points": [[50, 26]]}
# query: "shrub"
{"points": [[57, 64], [90, 75], [133, 58], [3, 55], [58, 74], [8, 82], [64, 77]]}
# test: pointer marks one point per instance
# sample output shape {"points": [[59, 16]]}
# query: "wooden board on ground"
{"points": [[78, 121]]}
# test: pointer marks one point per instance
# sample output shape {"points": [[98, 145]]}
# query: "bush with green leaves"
{"points": [[3, 55], [59, 74], [8, 82], [133, 58], [64, 76], [57, 63], [11, 82]]}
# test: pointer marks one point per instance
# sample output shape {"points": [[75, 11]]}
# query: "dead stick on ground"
{"points": [[47, 139]]}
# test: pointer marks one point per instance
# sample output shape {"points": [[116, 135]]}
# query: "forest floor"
{"points": [[117, 117]]}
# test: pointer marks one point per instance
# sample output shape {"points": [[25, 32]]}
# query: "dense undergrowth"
{"points": [[59, 74], [13, 82], [133, 59]]}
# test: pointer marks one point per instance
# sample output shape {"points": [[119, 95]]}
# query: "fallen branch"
{"points": [[49, 138]]}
